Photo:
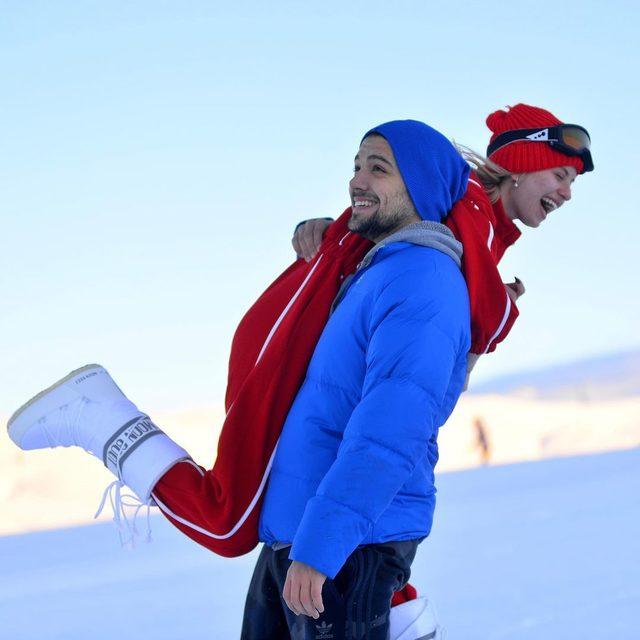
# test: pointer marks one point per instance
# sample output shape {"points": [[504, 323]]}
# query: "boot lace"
{"points": [[126, 525]]}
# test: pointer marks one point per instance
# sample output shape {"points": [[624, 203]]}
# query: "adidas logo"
{"points": [[324, 631], [539, 135]]}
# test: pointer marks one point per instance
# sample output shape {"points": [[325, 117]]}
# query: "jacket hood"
{"points": [[425, 233]]}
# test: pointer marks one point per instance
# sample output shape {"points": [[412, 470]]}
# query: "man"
{"points": [[351, 490]]}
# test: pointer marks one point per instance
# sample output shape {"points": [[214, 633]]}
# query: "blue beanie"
{"points": [[433, 171]]}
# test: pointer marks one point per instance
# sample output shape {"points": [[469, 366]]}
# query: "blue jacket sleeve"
{"points": [[418, 328]]}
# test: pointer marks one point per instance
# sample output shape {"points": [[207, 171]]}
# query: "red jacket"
{"points": [[269, 356]]}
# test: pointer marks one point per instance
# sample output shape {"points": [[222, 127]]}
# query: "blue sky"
{"points": [[157, 155]]}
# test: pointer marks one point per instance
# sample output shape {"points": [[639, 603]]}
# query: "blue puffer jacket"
{"points": [[355, 460]]}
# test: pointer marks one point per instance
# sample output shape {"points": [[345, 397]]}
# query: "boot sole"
{"points": [[17, 431]]}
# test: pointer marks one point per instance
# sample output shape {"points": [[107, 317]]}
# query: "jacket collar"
{"points": [[424, 233]]}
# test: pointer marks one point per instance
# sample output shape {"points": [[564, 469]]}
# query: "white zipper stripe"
{"points": [[502, 323], [191, 462], [242, 520], [281, 318], [491, 233], [476, 183], [286, 309]]}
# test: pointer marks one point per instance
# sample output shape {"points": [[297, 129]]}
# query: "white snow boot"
{"points": [[88, 410], [415, 620]]}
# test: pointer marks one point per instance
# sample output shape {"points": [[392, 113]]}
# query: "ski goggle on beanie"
{"points": [[527, 138], [433, 171]]}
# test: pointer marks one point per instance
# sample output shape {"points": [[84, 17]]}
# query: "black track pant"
{"points": [[356, 602]]}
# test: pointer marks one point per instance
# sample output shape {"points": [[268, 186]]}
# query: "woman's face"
{"points": [[538, 194]]}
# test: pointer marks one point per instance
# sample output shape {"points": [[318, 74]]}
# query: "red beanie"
{"points": [[524, 157]]}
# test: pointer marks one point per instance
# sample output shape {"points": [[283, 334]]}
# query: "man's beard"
{"points": [[374, 226], [383, 223]]}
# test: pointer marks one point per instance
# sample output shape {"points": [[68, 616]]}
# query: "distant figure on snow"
{"points": [[482, 440]]}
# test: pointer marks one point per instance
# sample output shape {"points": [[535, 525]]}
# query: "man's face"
{"points": [[379, 199]]}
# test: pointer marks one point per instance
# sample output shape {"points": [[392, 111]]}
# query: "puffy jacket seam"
{"points": [[346, 506], [290, 475], [417, 497], [427, 392], [435, 325], [388, 448], [407, 315], [450, 338], [403, 274], [333, 386]]}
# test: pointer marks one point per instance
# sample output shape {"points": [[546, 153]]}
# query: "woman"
{"points": [[276, 338], [532, 161]]}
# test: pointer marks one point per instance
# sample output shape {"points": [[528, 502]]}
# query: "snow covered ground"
{"points": [[52, 488], [547, 549]]}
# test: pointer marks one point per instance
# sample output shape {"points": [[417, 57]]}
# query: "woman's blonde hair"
{"points": [[490, 174]]}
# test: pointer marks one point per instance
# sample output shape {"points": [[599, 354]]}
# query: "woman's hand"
{"points": [[308, 236], [515, 289]]}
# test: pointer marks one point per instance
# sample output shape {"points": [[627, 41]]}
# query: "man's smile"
{"points": [[363, 204]]}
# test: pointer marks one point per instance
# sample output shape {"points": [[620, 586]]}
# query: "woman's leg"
{"points": [[192, 499], [217, 508]]}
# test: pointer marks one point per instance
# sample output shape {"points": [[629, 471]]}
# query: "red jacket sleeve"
{"points": [[474, 222]]}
